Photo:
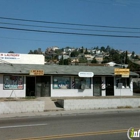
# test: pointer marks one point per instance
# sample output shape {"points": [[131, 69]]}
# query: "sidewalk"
{"points": [[70, 112]]}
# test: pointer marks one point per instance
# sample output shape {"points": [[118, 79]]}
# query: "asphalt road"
{"points": [[103, 126]]}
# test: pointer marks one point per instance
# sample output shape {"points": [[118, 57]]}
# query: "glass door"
{"points": [[43, 86], [109, 86], [97, 86]]}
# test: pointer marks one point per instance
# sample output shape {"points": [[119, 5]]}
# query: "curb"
{"points": [[69, 112]]}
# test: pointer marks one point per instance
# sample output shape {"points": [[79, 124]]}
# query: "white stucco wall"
{"points": [[11, 93], [71, 92], [23, 58], [123, 92]]}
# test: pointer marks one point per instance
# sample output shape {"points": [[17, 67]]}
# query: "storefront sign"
{"points": [[5, 56], [36, 72], [123, 72], [85, 74]]}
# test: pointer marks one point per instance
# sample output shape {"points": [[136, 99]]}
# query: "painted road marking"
{"points": [[17, 126], [76, 135]]}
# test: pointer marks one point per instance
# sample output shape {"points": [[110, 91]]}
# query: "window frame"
{"points": [[81, 79], [58, 81], [125, 82], [12, 79]]}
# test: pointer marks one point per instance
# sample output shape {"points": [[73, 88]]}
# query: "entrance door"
{"points": [[97, 86], [109, 86], [30, 86], [43, 86]]}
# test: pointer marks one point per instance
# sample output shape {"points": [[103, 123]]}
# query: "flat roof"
{"points": [[57, 69]]}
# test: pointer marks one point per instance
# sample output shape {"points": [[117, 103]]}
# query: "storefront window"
{"points": [[79, 82], [61, 82], [13, 82], [125, 82]]}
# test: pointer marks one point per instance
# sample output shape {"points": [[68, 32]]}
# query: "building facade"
{"points": [[22, 80]]}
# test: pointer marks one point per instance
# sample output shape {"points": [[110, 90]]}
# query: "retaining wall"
{"points": [[73, 104], [21, 106]]}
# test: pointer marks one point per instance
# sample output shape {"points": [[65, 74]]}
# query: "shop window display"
{"points": [[61, 82], [13, 82], [79, 82], [125, 82]]}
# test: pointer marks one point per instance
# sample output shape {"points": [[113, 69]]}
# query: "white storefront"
{"points": [[96, 86], [13, 84], [59, 86]]}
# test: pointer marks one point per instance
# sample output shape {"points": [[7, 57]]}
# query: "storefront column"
{"points": [[103, 93]]}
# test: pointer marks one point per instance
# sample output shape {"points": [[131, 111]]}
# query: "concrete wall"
{"points": [[23, 58], [73, 104], [21, 106], [11, 93]]}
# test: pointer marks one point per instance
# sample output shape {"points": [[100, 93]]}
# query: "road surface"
{"points": [[103, 126]]}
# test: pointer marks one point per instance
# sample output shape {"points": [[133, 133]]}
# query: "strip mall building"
{"points": [[26, 75]]}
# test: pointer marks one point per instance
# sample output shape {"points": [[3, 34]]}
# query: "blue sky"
{"points": [[116, 13]]}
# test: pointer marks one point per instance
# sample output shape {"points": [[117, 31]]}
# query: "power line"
{"points": [[27, 25], [41, 40], [114, 2], [66, 23], [68, 33]]}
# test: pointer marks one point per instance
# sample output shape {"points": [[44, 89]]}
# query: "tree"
{"points": [[106, 59], [74, 53], [67, 61], [56, 57], [132, 66], [61, 62], [35, 51], [96, 48], [136, 57], [31, 52], [94, 60], [82, 60], [10, 52], [82, 50], [108, 48], [133, 53], [86, 52], [112, 52], [64, 61], [116, 58], [58, 51], [122, 58], [126, 57], [103, 48]]}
